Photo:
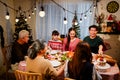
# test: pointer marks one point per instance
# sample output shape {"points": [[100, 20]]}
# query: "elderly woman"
{"points": [[37, 63]]}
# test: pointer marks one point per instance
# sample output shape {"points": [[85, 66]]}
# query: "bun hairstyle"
{"points": [[34, 49]]}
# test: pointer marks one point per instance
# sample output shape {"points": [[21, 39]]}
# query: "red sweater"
{"points": [[55, 45]]}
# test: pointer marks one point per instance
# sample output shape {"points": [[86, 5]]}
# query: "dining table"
{"points": [[110, 73]]}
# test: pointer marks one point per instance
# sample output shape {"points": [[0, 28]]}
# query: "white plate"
{"points": [[104, 67], [55, 63], [53, 51]]}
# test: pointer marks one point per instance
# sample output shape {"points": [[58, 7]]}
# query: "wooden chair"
{"points": [[21, 75]]}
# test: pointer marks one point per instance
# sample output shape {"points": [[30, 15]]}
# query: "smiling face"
{"points": [[93, 32], [55, 37], [72, 34]]}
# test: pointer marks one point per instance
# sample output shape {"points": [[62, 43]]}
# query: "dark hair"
{"points": [[68, 37], [93, 26], [35, 48], [55, 32], [82, 54]]}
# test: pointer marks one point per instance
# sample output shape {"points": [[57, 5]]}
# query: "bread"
{"points": [[110, 61]]}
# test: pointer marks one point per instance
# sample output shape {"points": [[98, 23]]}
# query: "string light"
{"points": [[25, 18], [7, 16], [94, 6], [80, 20], [73, 12], [65, 20], [90, 12], [76, 23], [16, 20], [42, 12], [35, 8], [29, 16], [85, 17], [33, 13]]}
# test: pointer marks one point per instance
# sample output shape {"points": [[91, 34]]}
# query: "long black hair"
{"points": [[34, 49], [68, 38]]}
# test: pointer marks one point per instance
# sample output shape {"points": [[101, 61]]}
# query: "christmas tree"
{"points": [[75, 25], [22, 25]]}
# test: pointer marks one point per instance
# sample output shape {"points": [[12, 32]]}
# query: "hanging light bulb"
{"points": [[25, 18], [76, 22], [29, 16], [35, 8], [33, 13], [80, 20], [42, 12], [65, 20], [16, 20], [94, 6], [85, 17], [90, 12], [7, 16]]}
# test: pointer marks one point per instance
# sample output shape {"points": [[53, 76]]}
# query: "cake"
{"points": [[101, 61]]}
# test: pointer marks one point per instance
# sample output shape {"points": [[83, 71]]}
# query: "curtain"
{"points": [[54, 17]]}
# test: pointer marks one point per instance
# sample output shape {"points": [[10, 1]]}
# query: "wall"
{"points": [[7, 24], [102, 4], [4, 23], [114, 41]]}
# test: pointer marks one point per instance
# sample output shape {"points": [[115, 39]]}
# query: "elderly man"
{"points": [[19, 50]]}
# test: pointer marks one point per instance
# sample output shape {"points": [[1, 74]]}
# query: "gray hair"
{"points": [[23, 33], [36, 46]]}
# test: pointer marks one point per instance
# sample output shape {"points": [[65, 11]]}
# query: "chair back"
{"points": [[21, 75]]}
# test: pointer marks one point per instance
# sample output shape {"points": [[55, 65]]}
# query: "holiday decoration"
{"points": [[22, 25], [75, 25], [100, 18]]}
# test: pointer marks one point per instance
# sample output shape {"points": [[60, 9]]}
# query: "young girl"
{"points": [[70, 41], [55, 43]]}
